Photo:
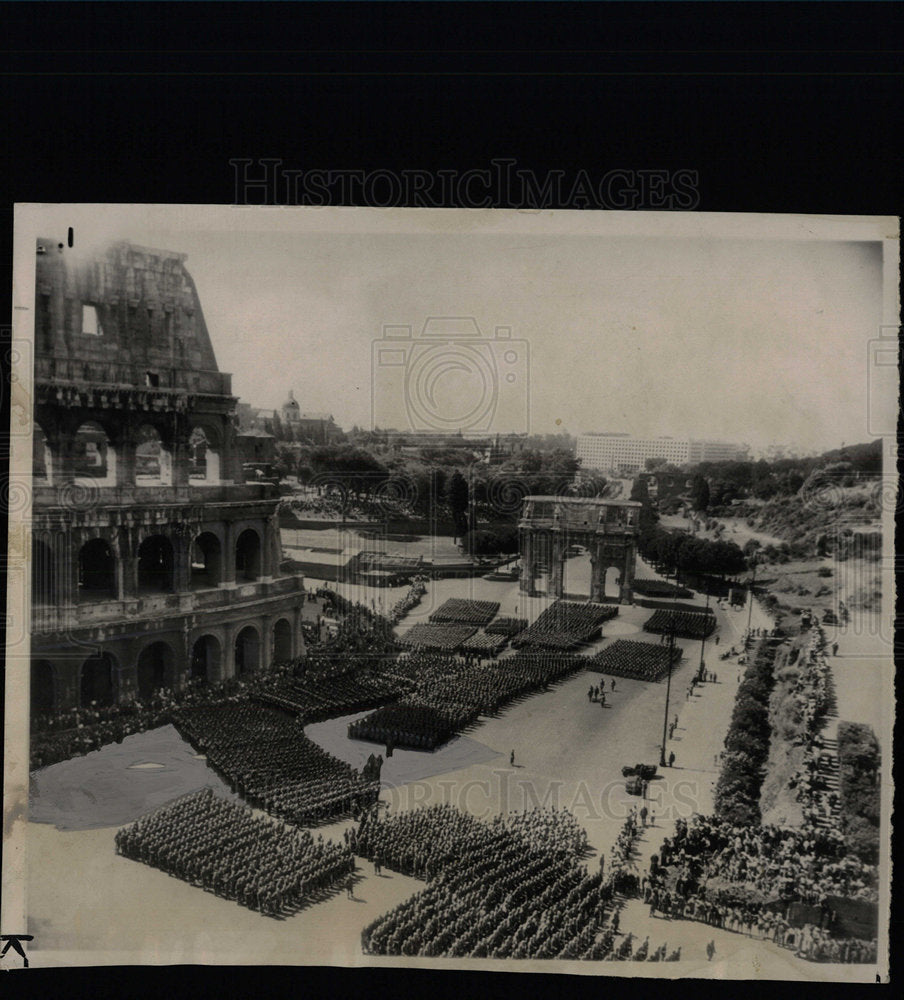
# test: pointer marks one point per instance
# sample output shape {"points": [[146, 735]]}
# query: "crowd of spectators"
{"points": [[413, 597], [266, 758], [566, 625], [745, 878], [641, 661], [79, 731], [223, 847], [806, 702], [776, 883]]}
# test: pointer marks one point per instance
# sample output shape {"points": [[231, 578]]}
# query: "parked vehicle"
{"points": [[643, 771]]}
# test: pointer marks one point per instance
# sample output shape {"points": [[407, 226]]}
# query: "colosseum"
{"points": [[153, 562]]}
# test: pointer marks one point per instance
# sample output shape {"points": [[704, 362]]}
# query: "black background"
{"points": [[779, 107]]}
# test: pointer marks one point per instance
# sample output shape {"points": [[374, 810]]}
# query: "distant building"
{"points": [[489, 448], [256, 445], [290, 411], [316, 428], [666, 486], [717, 451], [306, 428], [622, 453]]}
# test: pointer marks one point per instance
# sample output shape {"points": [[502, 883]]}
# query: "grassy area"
{"points": [[820, 584], [735, 530], [778, 802]]}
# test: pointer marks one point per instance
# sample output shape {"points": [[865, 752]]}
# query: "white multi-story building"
{"points": [[717, 451], [615, 452]]}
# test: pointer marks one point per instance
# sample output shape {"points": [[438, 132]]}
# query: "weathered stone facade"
{"points": [[153, 561]]}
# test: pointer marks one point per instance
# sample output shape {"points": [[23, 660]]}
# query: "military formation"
{"points": [[640, 661], [267, 759], [223, 847], [451, 692], [511, 888], [684, 624], [566, 625]]}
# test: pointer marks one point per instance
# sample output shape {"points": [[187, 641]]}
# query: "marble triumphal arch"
{"points": [[550, 525]]}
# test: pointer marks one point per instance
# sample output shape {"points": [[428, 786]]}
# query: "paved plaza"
{"points": [[568, 750]]}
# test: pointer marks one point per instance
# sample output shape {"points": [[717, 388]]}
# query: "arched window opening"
{"points": [[96, 571], [155, 565], [91, 326], [93, 456], [248, 555], [97, 686], [41, 458], [610, 580], [155, 669], [153, 461], [282, 641], [206, 561], [247, 651], [205, 660], [204, 459]]}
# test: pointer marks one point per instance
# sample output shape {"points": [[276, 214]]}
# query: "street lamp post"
{"points": [[668, 688], [668, 683], [703, 642], [750, 588]]}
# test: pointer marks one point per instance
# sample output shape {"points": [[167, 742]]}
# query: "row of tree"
{"points": [[425, 487], [737, 798], [670, 551], [717, 484]]}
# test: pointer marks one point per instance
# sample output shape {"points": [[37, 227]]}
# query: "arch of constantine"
{"points": [[550, 525]]}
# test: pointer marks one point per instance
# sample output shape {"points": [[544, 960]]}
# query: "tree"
{"points": [[591, 485], [491, 542], [354, 470], [282, 466], [700, 493], [458, 496]]}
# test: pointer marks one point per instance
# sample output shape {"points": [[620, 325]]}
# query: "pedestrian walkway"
{"points": [[829, 773], [688, 788]]}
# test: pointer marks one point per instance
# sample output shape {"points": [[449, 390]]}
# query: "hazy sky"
{"points": [[752, 340]]}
